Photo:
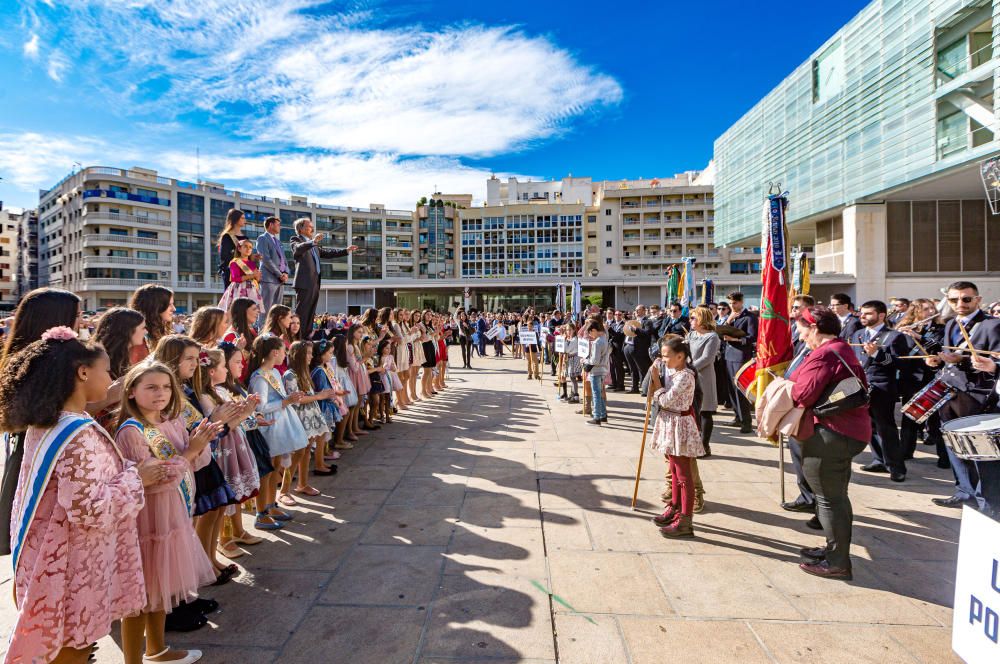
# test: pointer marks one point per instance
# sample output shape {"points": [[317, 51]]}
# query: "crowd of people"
{"points": [[134, 449], [137, 439]]}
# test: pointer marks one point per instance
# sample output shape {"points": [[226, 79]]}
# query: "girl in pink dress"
{"points": [[174, 563], [244, 277], [75, 546]]}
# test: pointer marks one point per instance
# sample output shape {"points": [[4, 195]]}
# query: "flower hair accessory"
{"points": [[227, 346], [60, 333], [204, 360]]}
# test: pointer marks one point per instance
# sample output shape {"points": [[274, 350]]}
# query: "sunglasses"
{"points": [[966, 299]]}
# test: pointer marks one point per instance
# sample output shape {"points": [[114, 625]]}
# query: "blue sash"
{"points": [[161, 448], [37, 474]]}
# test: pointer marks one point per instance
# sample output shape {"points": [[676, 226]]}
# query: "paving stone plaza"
{"points": [[493, 525]]}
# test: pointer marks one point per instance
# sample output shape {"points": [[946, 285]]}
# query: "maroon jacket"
{"points": [[818, 371]]}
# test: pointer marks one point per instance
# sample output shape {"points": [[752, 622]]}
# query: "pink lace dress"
{"points": [[359, 374], [676, 431], [80, 567], [235, 457], [174, 564]]}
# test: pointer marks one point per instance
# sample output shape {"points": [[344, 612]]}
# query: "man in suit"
{"points": [[637, 348], [673, 323], [973, 389], [878, 348], [482, 327], [739, 351], [900, 305], [616, 337], [306, 252], [273, 266], [841, 305]]}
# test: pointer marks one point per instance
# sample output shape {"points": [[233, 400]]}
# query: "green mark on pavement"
{"points": [[560, 600]]}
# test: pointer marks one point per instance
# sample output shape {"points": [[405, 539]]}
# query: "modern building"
{"points": [[9, 222], [103, 232], [26, 264], [879, 137]]}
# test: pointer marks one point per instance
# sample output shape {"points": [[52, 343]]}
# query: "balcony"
{"points": [[120, 173], [101, 239], [102, 261], [125, 196], [125, 219]]}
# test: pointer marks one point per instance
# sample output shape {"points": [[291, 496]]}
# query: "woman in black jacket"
{"points": [[230, 237]]}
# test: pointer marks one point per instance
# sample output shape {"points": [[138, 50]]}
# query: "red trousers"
{"points": [[681, 484]]}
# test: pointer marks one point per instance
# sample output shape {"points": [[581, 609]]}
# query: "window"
{"points": [[607, 243], [607, 261], [608, 228], [117, 231], [121, 253], [149, 235], [828, 74], [148, 255], [591, 218], [148, 276]]}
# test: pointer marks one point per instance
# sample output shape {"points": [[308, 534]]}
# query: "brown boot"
{"points": [[668, 516], [680, 528], [699, 502]]}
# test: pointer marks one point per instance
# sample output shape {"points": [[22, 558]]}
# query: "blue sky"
{"points": [[361, 102]]}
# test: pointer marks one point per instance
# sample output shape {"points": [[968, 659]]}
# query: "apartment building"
{"points": [[27, 253], [103, 232], [9, 223], [879, 137]]}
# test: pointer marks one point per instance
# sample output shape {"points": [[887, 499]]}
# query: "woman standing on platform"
{"points": [[229, 239]]}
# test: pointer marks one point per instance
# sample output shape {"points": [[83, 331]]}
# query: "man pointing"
{"points": [[306, 252]]}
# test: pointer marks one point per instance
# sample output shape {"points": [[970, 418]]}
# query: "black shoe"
{"points": [[734, 423], [799, 506], [746, 428], [814, 523], [953, 501], [708, 449], [604, 420], [633, 391], [874, 467], [185, 621], [593, 421], [944, 464], [813, 553], [897, 477], [203, 605]]}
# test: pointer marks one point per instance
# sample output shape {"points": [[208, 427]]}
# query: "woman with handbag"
{"points": [[830, 385]]}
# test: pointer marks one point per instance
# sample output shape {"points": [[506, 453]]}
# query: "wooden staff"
{"points": [[966, 336], [642, 446]]}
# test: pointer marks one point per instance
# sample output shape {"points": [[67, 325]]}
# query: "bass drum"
{"points": [[976, 437]]}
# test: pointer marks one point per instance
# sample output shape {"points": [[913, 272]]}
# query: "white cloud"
{"points": [[58, 64], [334, 82], [30, 47], [33, 161]]}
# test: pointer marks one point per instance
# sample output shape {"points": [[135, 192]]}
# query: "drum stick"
{"points": [[917, 357], [921, 347], [966, 336], [967, 350], [642, 446]]}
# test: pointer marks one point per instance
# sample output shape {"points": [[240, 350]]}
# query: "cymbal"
{"points": [[730, 331]]}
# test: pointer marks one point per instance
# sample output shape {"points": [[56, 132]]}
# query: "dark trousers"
{"points": [[497, 347], [617, 368], [738, 402], [989, 488], [639, 362], [886, 447], [722, 382], [466, 344], [482, 344], [707, 425], [826, 462], [966, 473], [806, 494], [551, 350], [305, 309], [909, 430]]}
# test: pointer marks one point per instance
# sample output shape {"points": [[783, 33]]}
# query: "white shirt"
{"points": [[872, 332]]}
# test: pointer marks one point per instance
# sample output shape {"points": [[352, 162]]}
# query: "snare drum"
{"points": [[976, 437], [928, 401]]}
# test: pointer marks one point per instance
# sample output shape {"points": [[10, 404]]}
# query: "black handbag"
{"points": [[843, 395]]}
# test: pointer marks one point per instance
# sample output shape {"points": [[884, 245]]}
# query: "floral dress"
{"points": [[675, 432], [236, 458], [240, 284], [80, 568], [309, 413]]}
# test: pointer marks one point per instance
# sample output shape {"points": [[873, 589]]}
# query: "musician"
{"points": [[739, 351], [972, 388], [900, 306], [841, 305], [637, 347], [674, 323], [616, 337], [878, 348], [923, 332], [988, 489]]}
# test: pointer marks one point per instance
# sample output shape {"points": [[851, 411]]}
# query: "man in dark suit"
{"points": [[878, 348], [616, 337], [900, 305], [739, 351], [482, 327], [841, 305], [973, 389], [637, 348], [674, 323], [306, 252]]}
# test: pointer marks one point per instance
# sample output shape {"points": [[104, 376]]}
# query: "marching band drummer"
{"points": [[972, 388], [988, 490]]}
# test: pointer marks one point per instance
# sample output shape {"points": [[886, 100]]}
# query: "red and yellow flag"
{"points": [[774, 332]]}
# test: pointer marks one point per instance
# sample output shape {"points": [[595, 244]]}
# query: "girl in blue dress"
{"points": [[286, 436]]}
